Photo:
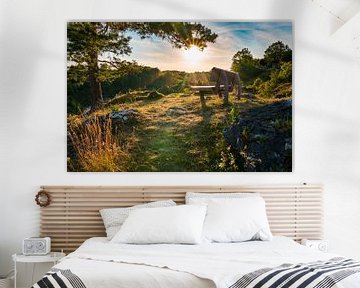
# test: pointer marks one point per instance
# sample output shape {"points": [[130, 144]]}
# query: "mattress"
{"points": [[99, 263]]}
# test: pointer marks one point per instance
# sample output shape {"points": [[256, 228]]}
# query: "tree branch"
{"points": [[109, 62]]}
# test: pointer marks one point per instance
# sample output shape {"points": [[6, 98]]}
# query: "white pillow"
{"points": [[180, 224], [113, 218], [204, 198], [236, 220]]}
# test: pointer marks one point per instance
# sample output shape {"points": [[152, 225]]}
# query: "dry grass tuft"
{"points": [[97, 148]]}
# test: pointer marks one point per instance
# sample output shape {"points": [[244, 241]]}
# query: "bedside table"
{"points": [[53, 257], [320, 245]]}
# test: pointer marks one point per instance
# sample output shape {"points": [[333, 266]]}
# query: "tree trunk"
{"points": [[95, 85]]}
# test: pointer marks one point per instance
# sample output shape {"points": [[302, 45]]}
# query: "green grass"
{"points": [[176, 134]]}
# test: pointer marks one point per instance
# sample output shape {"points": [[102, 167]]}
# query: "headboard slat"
{"points": [[73, 216]]}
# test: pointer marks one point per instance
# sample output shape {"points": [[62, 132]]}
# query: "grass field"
{"points": [[173, 132]]}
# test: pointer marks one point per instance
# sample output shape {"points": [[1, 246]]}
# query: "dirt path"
{"points": [[176, 134], [163, 137]]}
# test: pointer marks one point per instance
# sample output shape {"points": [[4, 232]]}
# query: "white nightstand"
{"points": [[320, 245], [53, 257]]}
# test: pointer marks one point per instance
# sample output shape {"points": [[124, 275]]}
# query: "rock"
{"points": [[261, 138], [128, 116], [86, 111], [176, 111], [154, 95]]}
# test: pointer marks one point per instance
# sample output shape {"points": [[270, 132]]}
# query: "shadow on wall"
{"points": [[22, 41], [183, 8]]}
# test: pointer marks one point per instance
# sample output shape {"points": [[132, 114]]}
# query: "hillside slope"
{"points": [[173, 132]]}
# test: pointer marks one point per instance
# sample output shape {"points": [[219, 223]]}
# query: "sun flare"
{"points": [[193, 54]]}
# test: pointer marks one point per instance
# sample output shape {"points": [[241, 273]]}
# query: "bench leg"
{"points": [[202, 100], [226, 97]]}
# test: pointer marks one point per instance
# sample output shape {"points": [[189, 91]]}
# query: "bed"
{"points": [[281, 262], [99, 263]]}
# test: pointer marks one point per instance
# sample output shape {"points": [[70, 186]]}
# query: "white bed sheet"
{"points": [[100, 263], [101, 274]]}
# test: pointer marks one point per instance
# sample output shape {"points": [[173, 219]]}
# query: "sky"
{"points": [[232, 37]]}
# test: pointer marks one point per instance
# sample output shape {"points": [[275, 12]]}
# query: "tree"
{"points": [[276, 54], [242, 56], [93, 43], [246, 65]]}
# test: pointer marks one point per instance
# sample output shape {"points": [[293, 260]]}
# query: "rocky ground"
{"points": [[261, 138]]}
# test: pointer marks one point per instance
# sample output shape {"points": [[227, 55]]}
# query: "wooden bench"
{"points": [[209, 89], [224, 83]]}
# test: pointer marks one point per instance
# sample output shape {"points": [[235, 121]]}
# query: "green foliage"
{"points": [[169, 82], [279, 84], [77, 74], [277, 53], [198, 78], [285, 73], [88, 41], [234, 112], [116, 82], [270, 76], [267, 88], [114, 109], [228, 162], [117, 85], [257, 82], [247, 66], [283, 124], [254, 86], [262, 138]]}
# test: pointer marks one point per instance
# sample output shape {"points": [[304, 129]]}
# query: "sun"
{"points": [[193, 54]]}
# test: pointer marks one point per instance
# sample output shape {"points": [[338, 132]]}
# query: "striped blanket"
{"points": [[320, 274], [57, 278]]}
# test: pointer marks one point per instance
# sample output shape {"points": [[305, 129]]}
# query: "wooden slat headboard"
{"points": [[73, 215]]}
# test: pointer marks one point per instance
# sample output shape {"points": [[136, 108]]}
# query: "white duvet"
{"points": [[100, 263]]}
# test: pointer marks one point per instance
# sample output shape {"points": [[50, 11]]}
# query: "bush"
{"points": [[279, 84], [285, 73], [254, 87], [266, 89]]}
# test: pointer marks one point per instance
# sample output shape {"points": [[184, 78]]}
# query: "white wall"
{"points": [[33, 109]]}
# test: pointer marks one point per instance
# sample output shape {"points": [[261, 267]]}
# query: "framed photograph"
{"points": [[179, 96]]}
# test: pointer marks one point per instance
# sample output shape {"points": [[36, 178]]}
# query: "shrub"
{"points": [[234, 113], [254, 87], [283, 124], [279, 85], [266, 89], [97, 148], [285, 73]]}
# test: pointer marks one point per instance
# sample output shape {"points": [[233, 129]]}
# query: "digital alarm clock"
{"points": [[36, 246]]}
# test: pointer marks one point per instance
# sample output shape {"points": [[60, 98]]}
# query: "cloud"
{"points": [[232, 37]]}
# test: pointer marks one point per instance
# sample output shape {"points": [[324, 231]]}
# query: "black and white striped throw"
{"points": [[320, 274], [58, 278]]}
